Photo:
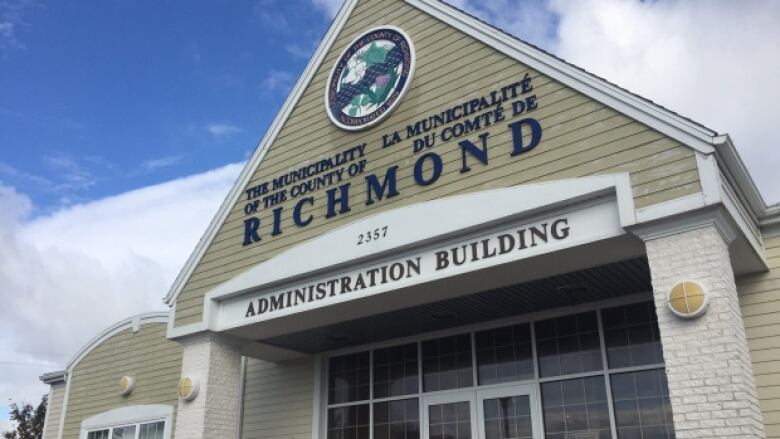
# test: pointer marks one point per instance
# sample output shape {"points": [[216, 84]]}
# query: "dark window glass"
{"points": [[504, 354], [449, 421], [576, 408], [349, 378], [153, 430], [631, 335], [396, 371], [447, 363], [508, 418], [568, 345], [397, 419], [350, 422], [642, 408], [98, 434]]}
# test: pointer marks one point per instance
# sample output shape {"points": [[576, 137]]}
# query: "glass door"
{"points": [[450, 416], [509, 413]]}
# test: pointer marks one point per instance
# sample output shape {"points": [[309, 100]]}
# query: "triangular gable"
{"points": [[660, 120]]}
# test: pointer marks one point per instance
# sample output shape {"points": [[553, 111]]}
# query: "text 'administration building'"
{"points": [[448, 233]]}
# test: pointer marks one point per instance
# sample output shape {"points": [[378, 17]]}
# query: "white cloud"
{"points": [[713, 61], [11, 16], [278, 81], [162, 162], [66, 276], [299, 51], [73, 176], [221, 131], [330, 7]]}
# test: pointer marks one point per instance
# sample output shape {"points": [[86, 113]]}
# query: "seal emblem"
{"points": [[370, 78]]}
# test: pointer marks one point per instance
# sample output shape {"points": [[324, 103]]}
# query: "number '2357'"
{"points": [[372, 235]]}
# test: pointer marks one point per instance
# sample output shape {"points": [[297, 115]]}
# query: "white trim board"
{"points": [[667, 122]]}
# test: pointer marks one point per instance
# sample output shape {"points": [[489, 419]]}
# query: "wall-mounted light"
{"points": [[688, 300], [126, 385], [188, 388]]}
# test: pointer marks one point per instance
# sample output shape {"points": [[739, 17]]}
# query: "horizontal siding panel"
{"points": [[760, 304], [278, 399], [56, 398]]}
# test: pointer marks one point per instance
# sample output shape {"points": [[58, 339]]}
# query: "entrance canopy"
{"points": [[418, 258]]}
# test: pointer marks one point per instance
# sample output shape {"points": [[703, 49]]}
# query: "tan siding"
{"points": [[146, 355], [581, 137], [760, 302], [278, 399], [54, 411]]}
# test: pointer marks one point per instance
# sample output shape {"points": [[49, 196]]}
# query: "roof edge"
{"points": [[57, 377], [257, 157], [728, 154]]}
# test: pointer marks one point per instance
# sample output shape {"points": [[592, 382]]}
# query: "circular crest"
{"points": [[370, 78]]}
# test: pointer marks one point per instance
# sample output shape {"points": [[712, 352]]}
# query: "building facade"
{"points": [[447, 233]]}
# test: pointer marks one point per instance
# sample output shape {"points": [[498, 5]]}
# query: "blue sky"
{"points": [[123, 124], [100, 97]]}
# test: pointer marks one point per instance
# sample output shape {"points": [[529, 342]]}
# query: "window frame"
{"points": [[319, 423], [137, 416]]}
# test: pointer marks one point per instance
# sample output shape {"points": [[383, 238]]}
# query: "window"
{"points": [[642, 408], [351, 422], [504, 354], [397, 419], [576, 408], [152, 431], [447, 363], [568, 345], [149, 430], [349, 378], [631, 335], [592, 371], [508, 418], [396, 371], [450, 421]]}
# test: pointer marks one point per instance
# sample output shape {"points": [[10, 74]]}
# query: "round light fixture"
{"points": [[126, 385], [688, 300], [188, 388]]}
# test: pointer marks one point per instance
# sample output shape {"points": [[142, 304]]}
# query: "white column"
{"points": [[711, 384], [215, 411]]}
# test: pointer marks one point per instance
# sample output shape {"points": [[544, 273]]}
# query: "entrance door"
{"points": [[450, 416], [510, 412]]}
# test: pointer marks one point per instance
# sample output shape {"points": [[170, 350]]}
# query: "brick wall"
{"points": [[214, 413], [711, 382]]}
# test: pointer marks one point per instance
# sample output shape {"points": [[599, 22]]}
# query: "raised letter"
{"points": [[481, 154], [250, 312], [517, 135], [379, 189], [297, 212], [250, 231], [559, 232], [343, 200], [418, 169]]}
